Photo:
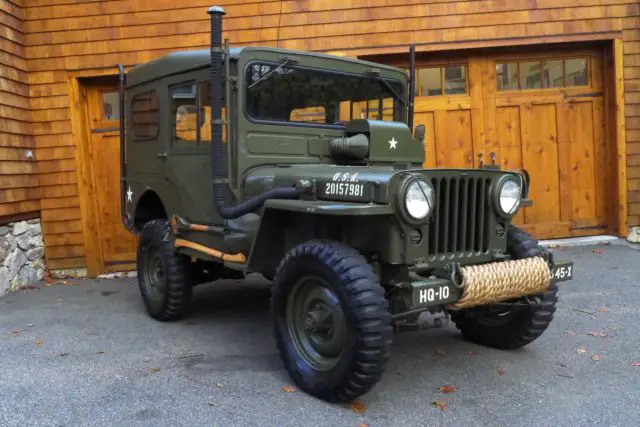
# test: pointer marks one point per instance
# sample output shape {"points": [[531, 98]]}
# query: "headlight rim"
{"points": [[518, 180], [401, 199]]}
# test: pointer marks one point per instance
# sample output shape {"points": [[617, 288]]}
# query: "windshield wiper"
{"points": [[286, 61], [376, 75]]}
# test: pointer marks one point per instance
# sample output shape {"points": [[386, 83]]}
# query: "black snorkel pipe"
{"points": [[221, 180], [123, 166], [412, 85]]}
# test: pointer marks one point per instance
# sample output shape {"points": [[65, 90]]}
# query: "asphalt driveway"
{"points": [[87, 354]]}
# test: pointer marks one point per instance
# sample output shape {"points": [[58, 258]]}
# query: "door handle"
{"points": [[163, 155]]}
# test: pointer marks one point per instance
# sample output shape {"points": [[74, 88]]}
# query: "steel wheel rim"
{"points": [[316, 323], [154, 276]]}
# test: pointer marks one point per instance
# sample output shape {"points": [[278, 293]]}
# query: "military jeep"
{"points": [[303, 167]]}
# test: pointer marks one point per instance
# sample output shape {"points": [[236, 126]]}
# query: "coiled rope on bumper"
{"points": [[501, 281]]}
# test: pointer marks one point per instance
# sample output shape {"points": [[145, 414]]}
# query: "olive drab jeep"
{"points": [[303, 167]]}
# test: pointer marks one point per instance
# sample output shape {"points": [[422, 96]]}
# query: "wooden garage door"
{"points": [[541, 112]]}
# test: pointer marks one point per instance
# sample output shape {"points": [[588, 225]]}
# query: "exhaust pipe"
{"points": [[220, 171], [123, 171]]}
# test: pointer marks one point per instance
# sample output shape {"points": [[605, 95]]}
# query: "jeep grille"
{"points": [[460, 221]]}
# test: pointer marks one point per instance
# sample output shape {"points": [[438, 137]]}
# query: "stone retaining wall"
{"points": [[21, 255]]}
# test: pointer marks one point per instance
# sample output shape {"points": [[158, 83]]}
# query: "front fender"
{"points": [[325, 207]]}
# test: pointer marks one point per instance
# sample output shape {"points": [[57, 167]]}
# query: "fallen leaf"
{"points": [[634, 363], [472, 353], [501, 371], [447, 388], [102, 352], [47, 277], [440, 352], [603, 309], [564, 365], [595, 357], [439, 404], [27, 288], [219, 385], [155, 369], [597, 334], [38, 342], [570, 332], [64, 354], [16, 332], [581, 350], [288, 388], [597, 251], [363, 425], [358, 406]]}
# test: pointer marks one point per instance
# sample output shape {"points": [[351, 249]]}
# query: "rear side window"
{"points": [[144, 115], [185, 113]]}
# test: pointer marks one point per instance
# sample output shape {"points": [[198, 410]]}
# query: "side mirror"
{"points": [[418, 133]]}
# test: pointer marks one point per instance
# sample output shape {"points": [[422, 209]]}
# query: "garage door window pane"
{"points": [[111, 105], [430, 81], [507, 76], [576, 71], [552, 73], [455, 79], [530, 77]]}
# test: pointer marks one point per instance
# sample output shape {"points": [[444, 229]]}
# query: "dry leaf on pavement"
{"points": [[38, 342], [358, 406], [220, 385], [155, 369], [439, 404], [603, 309], [288, 388], [597, 334], [501, 371], [595, 357], [634, 363], [570, 332], [581, 350], [597, 251], [447, 388], [440, 352]]}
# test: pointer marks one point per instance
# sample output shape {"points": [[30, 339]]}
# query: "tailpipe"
{"points": [[220, 170]]}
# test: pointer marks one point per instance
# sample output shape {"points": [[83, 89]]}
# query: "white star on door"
{"points": [[392, 144], [129, 194]]}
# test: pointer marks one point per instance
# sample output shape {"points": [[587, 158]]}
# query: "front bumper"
{"points": [[493, 283]]}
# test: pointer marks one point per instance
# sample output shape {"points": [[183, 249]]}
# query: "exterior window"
{"points": [[542, 74], [444, 80], [183, 106], [301, 95], [144, 115], [110, 106]]}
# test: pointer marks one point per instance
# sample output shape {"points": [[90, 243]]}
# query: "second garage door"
{"points": [[543, 112]]}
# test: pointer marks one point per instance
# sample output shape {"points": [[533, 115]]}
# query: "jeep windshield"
{"points": [[280, 92]]}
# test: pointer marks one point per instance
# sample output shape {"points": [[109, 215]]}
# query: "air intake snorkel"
{"points": [[221, 179]]}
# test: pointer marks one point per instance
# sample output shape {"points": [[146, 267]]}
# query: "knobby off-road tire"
{"points": [[349, 357], [163, 274], [515, 327]]}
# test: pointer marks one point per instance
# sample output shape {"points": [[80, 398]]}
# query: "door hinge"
{"points": [[163, 155]]}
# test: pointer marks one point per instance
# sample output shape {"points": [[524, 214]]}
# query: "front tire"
{"points": [[512, 327], [163, 276], [331, 321]]}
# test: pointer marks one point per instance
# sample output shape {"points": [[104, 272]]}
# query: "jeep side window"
{"points": [[184, 111], [298, 94], [144, 116], [204, 114]]}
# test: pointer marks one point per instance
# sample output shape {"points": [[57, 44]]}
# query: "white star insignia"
{"points": [[392, 144], [129, 194]]}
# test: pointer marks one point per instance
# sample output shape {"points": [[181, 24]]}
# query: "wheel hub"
{"points": [[316, 323]]}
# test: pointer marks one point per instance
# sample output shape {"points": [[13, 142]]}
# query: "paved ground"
{"points": [[88, 355]]}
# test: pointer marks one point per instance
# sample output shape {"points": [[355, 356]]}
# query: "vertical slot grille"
{"points": [[459, 223]]}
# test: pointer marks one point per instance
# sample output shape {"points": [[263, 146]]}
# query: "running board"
{"points": [[238, 258]]}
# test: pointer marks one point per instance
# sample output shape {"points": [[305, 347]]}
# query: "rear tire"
{"points": [[511, 327], [163, 274], [331, 321]]}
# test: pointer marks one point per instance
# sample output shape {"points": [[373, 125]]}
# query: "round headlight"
{"points": [[510, 193], [418, 199]]}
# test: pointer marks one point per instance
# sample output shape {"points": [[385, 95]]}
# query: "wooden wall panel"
{"points": [[44, 44], [18, 178]]}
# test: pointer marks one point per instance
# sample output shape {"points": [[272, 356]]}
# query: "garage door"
{"points": [[542, 112]]}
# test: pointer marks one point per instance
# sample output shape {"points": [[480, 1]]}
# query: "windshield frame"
{"points": [[363, 74]]}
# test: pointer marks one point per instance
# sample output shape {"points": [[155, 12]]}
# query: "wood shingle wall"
{"points": [[19, 192], [60, 37]]}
